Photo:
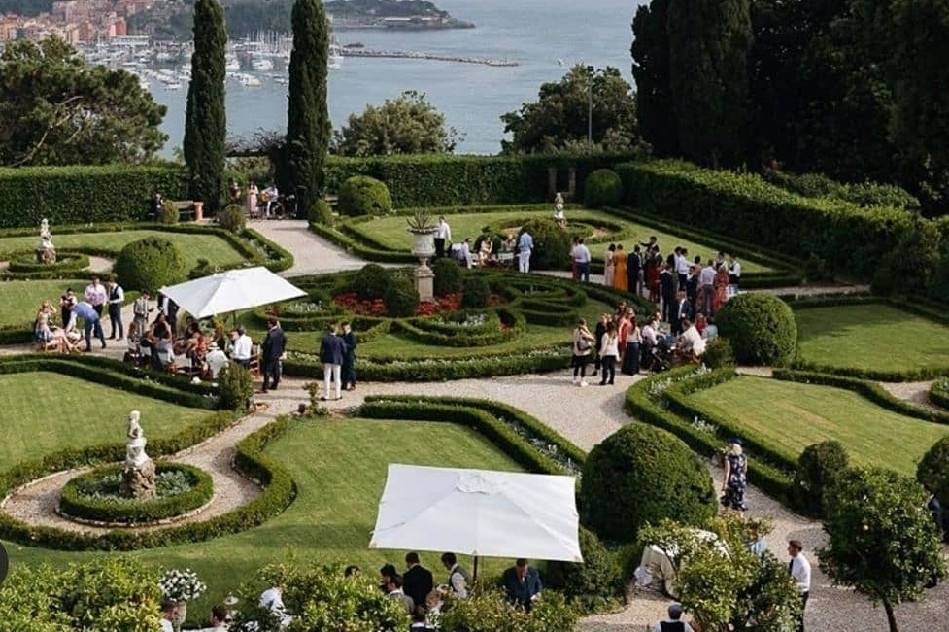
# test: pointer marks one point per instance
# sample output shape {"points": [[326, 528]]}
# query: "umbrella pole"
{"points": [[475, 568]]}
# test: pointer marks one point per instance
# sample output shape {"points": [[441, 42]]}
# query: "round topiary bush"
{"points": [[447, 277], [149, 264], [594, 585], [818, 467], [552, 244], [401, 297], [362, 195], [760, 328], [371, 282], [718, 354], [232, 218], [933, 473], [603, 187], [475, 292], [237, 387], [643, 474], [168, 214], [320, 213]]}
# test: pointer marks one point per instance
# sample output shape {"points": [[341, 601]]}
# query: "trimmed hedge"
{"points": [[760, 328], [603, 188], [551, 244], [401, 297], [641, 475], [75, 502], [448, 277], [371, 282], [933, 473], [851, 238], [150, 264], [817, 469], [939, 393], [363, 195], [476, 292]]}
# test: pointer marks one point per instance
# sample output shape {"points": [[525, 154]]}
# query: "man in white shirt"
{"points": [[524, 247], [442, 236], [734, 271], [241, 347], [457, 576], [581, 256], [272, 600], [682, 266], [96, 295], [706, 288], [674, 623], [464, 253], [393, 588], [169, 612], [800, 569], [690, 344], [272, 194], [216, 360]]}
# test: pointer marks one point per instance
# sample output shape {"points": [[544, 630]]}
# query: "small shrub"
{"points": [[401, 297], [476, 292], [718, 354], [447, 277], [551, 244], [203, 268], [488, 611], [362, 195], [169, 213], [818, 467], [761, 329], [933, 473], [939, 286], [232, 218], [640, 475], [320, 213], [237, 387], [603, 187], [371, 282], [594, 585], [148, 264]]}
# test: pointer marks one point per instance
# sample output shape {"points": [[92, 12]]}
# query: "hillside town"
{"points": [[75, 21]]}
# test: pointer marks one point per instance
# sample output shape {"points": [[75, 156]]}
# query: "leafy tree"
{"points": [[308, 125], [205, 125], [882, 538], [708, 72], [56, 110], [406, 125], [560, 116], [650, 51], [489, 611]]}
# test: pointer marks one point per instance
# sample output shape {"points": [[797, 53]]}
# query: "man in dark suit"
{"points": [[522, 584], [417, 581], [634, 265], [667, 293], [683, 310], [332, 355], [272, 350]]}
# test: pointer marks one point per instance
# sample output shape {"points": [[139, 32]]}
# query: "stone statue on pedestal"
{"points": [[45, 251], [138, 475], [559, 217]]}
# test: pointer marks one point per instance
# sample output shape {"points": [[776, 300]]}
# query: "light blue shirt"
{"points": [[82, 310], [526, 242]]}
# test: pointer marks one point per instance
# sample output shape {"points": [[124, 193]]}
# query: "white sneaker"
{"points": [[576, 380], [584, 383]]}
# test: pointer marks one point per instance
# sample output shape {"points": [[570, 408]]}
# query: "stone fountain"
{"points": [[45, 251], [138, 475]]}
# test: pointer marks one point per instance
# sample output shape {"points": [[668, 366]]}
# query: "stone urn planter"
{"points": [[423, 246]]}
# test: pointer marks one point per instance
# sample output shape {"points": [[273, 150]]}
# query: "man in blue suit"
{"points": [[91, 321], [332, 354], [522, 584]]}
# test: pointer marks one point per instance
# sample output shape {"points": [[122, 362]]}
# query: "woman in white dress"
{"points": [[252, 200], [609, 266]]}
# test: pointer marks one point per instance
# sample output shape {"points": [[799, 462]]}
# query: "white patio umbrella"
{"points": [[479, 512], [230, 291]]}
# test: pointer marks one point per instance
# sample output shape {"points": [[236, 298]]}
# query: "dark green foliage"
{"points": [[640, 475], [401, 297], [406, 125], [149, 264], [371, 282], [818, 468], [816, 269], [933, 473], [77, 497], [594, 585], [865, 194], [475, 292], [363, 195], [939, 286], [320, 213], [709, 42], [169, 213], [761, 329], [650, 51], [237, 387], [232, 218], [911, 266], [718, 354], [205, 124], [308, 124], [551, 244], [447, 277], [603, 188]]}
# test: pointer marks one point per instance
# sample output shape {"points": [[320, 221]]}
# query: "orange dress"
{"points": [[619, 270], [720, 285]]}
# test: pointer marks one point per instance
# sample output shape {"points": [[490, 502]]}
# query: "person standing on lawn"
{"points": [[332, 354], [349, 360], [96, 295], [525, 244], [272, 350], [116, 300], [581, 260], [442, 236]]}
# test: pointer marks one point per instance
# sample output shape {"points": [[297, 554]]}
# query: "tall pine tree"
{"points": [[308, 125], [709, 42], [205, 124], [650, 52]]}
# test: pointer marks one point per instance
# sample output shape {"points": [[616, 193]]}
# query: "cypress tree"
{"points": [[205, 125], [709, 41], [308, 125], [650, 52]]}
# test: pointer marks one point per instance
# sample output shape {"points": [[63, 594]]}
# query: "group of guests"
{"points": [[259, 202], [338, 356], [621, 340], [98, 298], [482, 252]]}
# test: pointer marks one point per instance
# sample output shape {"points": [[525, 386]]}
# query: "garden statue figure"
{"points": [[559, 216], [138, 475], [45, 251]]}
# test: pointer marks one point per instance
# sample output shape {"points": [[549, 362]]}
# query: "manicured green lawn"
{"points": [[340, 469], [20, 300], [193, 247], [871, 337], [793, 415], [391, 231], [43, 412]]}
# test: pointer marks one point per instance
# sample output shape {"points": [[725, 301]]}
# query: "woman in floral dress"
{"points": [[735, 481]]}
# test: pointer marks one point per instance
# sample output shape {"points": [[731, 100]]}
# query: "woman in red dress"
{"points": [[720, 285]]}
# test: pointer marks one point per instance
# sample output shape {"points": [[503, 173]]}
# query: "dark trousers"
{"points": [[631, 359], [800, 620], [609, 369], [271, 371], [98, 309], [439, 248], [683, 281], [349, 372], [583, 271], [65, 314], [93, 327], [115, 320], [669, 309], [580, 365]]}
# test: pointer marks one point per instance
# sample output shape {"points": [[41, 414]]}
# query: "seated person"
{"points": [[690, 345], [42, 333], [485, 250], [64, 341], [269, 196], [215, 360]]}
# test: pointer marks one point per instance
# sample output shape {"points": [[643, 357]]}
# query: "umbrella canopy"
{"points": [[479, 512], [230, 291]]}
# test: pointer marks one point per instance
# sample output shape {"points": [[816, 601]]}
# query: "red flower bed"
{"points": [[377, 307]]}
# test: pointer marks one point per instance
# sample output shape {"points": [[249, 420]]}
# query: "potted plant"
{"points": [[421, 226]]}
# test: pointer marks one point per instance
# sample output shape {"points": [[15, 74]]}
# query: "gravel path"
{"points": [[914, 392], [100, 265], [36, 502], [311, 254]]}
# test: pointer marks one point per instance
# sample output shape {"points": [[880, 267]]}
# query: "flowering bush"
{"points": [[181, 585]]}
